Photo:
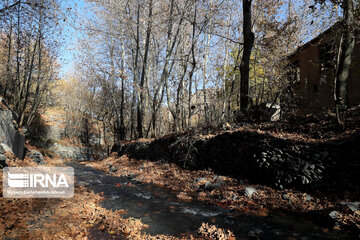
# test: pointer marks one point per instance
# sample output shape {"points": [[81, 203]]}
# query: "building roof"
{"points": [[312, 41]]}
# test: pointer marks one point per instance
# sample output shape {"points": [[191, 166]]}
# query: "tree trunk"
{"points": [[343, 69], [245, 61], [205, 78], [135, 71], [140, 110], [223, 113], [16, 84], [37, 95], [28, 84], [8, 65], [193, 63], [122, 123]]}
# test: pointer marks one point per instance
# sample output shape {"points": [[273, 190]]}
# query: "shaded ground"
{"points": [[80, 217], [165, 213], [307, 164], [110, 207], [232, 194], [260, 157]]}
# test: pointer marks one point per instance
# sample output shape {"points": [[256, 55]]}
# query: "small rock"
{"points": [[334, 215], [36, 156], [137, 180], [210, 186], [82, 183], [354, 206], [286, 197], [2, 157], [249, 191], [234, 197], [219, 184], [3, 162], [6, 148], [2, 150], [207, 184], [308, 198], [200, 179], [113, 169]]}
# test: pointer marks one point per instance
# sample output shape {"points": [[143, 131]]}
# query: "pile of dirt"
{"points": [[259, 157]]}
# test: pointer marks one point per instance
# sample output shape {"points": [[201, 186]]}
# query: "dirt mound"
{"points": [[260, 157]]}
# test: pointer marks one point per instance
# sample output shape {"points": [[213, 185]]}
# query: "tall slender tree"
{"points": [[249, 39]]}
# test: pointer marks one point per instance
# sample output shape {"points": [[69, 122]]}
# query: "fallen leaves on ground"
{"points": [[212, 232], [222, 191], [72, 218], [80, 217]]}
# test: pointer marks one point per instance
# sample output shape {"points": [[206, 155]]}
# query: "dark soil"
{"points": [[261, 158]]}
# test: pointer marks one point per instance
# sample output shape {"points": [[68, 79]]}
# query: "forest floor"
{"points": [[230, 193], [85, 217], [80, 217]]}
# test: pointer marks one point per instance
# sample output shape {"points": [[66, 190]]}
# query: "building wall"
{"points": [[316, 86], [354, 82]]}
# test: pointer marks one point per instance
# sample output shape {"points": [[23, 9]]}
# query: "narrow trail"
{"points": [[166, 214]]}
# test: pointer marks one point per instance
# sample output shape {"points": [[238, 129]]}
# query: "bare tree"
{"points": [[249, 39]]}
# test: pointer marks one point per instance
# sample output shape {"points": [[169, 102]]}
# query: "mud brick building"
{"points": [[312, 74]]}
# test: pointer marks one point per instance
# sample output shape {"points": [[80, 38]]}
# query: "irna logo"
{"points": [[36, 180]]}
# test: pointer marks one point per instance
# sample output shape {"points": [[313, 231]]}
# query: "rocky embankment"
{"points": [[11, 138], [259, 157], [54, 132], [73, 152]]}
